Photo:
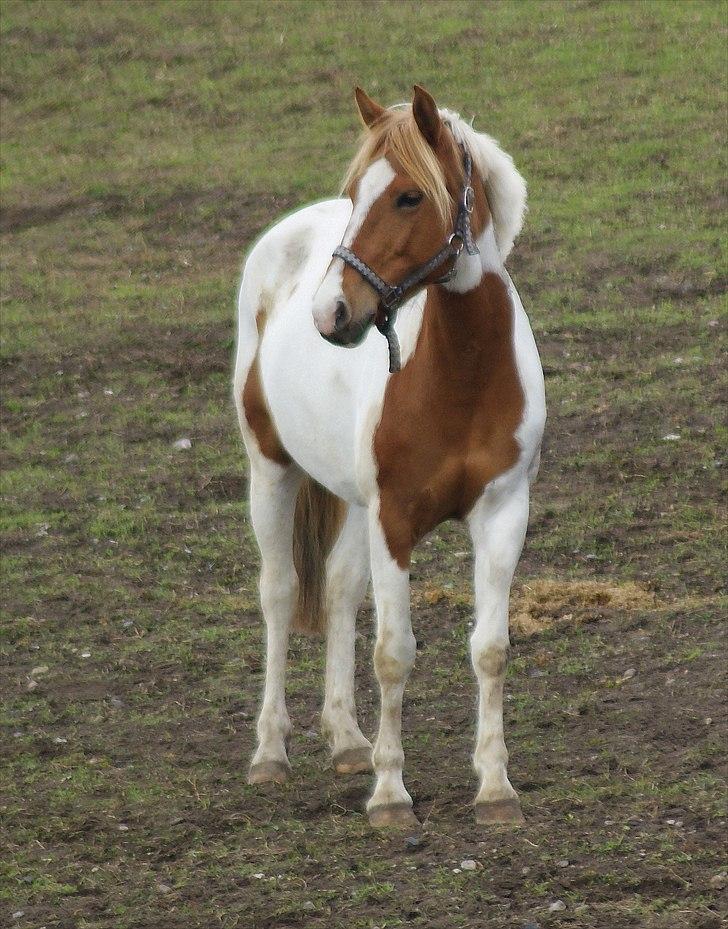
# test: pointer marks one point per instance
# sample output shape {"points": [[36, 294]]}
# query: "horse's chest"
{"points": [[449, 417], [433, 464]]}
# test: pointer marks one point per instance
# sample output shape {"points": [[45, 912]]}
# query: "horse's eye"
{"points": [[409, 200]]}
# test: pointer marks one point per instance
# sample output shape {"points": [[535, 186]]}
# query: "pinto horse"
{"points": [[354, 460]]}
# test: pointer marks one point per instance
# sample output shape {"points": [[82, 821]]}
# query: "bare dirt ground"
{"points": [[615, 718]]}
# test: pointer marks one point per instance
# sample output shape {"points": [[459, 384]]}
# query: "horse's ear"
{"points": [[369, 110], [426, 116]]}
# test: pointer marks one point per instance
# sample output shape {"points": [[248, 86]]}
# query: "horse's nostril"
{"points": [[341, 317]]}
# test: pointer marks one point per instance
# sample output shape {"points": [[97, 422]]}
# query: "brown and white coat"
{"points": [[352, 466]]}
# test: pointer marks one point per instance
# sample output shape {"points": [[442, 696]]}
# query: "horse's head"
{"points": [[404, 184]]}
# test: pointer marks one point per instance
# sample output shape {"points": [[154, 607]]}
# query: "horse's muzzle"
{"points": [[351, 334]]}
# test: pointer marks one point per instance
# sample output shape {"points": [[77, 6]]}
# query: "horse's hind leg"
{"points": [[498, 529], [347, 575], [273, 492]]}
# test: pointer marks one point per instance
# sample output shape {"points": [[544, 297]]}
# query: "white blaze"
{"points": [[375, 180]]}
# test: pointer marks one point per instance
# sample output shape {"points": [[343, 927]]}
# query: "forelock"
{"points": [[396, 134]]}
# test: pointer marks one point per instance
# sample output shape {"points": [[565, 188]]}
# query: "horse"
{"points": [[358, 447]]}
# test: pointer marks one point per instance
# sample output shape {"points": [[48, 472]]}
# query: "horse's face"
{"points": [[394, 228]]}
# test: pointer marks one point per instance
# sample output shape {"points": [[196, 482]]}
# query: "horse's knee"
{"points": [[490, 658], [394, 656]]}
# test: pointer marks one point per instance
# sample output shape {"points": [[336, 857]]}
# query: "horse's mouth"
{"points": [[352, 335]]}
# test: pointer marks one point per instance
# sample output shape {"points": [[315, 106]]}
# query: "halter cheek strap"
{"points": [[391, 296]]}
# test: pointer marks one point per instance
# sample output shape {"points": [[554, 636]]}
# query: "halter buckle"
{"points": [[468, 199], [390, 298]]}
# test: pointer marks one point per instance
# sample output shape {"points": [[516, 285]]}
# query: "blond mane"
{"points": [[396, 133]]}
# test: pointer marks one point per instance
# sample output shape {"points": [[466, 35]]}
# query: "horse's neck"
{"points": [[469, 335], [470, 322]]}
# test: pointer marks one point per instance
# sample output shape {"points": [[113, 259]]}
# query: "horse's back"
{"points": [[295, 247], [530, 373], [274, 271]]}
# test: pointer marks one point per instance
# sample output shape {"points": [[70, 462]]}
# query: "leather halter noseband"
{"points": [[391, 296]]}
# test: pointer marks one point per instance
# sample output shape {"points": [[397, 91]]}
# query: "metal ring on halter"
{"points": [[458, 247]]}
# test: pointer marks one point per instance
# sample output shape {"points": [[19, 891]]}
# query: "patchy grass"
{"points": [[144, 147]]}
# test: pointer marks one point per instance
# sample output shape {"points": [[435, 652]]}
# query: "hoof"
{"points": [[499, 811], [353, 761], [394, 816], [269, 772]]}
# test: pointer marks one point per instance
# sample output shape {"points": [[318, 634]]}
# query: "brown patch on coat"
{"points": [[316, 526], [255, 405], [450, 415]]}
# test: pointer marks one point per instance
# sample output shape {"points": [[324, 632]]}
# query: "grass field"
{"points": [[144, 146]]}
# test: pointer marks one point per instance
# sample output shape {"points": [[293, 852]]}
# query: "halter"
{"points": [[391, 296]]}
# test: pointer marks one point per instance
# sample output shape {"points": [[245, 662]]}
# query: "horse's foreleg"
{"points": [[498, 528], [394, 658], [347, 576], [272, 506]]}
